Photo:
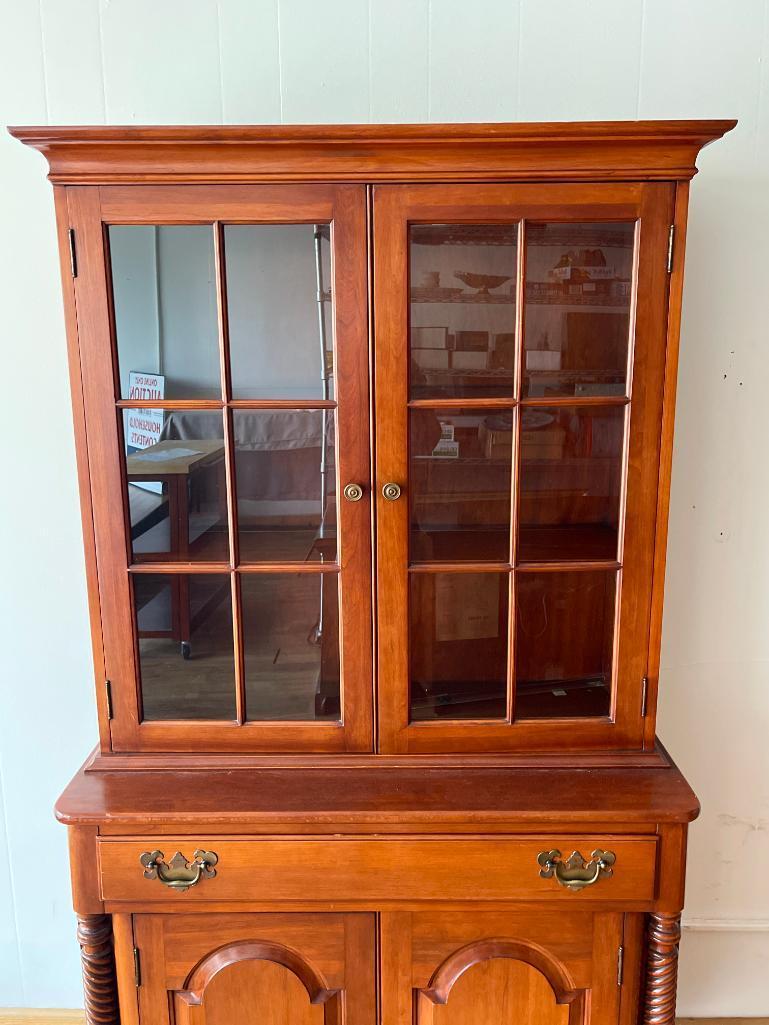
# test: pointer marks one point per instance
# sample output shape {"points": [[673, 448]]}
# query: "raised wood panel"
{"points": [[259, 987], [371, 869], [501, 990]]}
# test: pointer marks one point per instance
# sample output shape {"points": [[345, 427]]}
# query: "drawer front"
{"points": [[370, 869]]}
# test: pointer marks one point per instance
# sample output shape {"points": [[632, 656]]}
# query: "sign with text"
{"points": [[143, 427]]}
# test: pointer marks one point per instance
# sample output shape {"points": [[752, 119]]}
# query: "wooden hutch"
{"points": [[374, 431]]}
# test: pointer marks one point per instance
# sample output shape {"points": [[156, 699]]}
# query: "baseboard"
{"points": [[726, 925]]}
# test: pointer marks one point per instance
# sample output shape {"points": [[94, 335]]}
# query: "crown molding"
{"points": [[590, 151]]}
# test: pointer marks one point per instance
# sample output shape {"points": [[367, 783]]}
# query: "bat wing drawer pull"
{"points": [[179, 874], [575, 872]]}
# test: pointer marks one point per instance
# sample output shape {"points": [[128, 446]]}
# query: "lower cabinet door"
{"points": [[506, 968], [240, 969]]}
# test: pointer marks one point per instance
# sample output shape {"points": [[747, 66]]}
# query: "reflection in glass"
{"points": [[164, 293], [458, 645], [462, 309], [291, 645], [570, 481], [577, 316], [286, 484], [279, 310], [564, 643], [177, 494], [459, 483], [185, 643]]}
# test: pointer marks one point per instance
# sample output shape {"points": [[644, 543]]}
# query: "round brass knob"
{"points": [[391, 492], [353, 492]]}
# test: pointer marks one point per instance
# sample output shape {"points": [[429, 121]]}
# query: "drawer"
{"points": [[370, 870]]}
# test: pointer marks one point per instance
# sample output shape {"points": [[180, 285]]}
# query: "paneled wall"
{"points": [[144, 61]]}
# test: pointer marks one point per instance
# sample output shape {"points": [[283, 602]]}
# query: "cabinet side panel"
{"points": [[67, 267], [666, 455]]}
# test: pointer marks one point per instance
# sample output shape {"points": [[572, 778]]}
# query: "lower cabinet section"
{"points": [[433, 968]]}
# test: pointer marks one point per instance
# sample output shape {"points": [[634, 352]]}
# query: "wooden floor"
{"points": [[16, 1016]]}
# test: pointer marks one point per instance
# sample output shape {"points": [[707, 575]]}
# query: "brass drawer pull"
{"points": [[179, 874], [575, 873]]}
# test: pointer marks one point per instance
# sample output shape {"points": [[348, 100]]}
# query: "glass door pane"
{"points": [[249, 586], [462, 309], [513, 454], [578, 297]]}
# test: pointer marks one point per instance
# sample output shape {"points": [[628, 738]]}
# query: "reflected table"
{"points": [[173, 464]]}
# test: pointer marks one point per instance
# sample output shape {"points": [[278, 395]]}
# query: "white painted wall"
{"points": [[203, 61]]}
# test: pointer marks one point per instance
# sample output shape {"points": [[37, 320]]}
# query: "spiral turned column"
{"points": [[94, 934], [663, 937]]}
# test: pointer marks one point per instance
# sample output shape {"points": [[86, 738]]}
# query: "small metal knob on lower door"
{"points": [[391, 492], [353, 492]]}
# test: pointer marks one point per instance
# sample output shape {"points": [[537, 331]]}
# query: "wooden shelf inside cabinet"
{"points": [[376, 634]]}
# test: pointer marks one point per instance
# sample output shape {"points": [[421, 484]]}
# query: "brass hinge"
{"points": [[72, 251], [644, 695], [620, 964], [671, 242], [137, 967], [108, 690]]}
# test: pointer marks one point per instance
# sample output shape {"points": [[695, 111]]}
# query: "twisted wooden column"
{"points": [[663, 936], [94, 934]]}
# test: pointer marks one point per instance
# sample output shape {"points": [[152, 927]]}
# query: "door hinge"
{"points": [[108, 691], [620, 964], [137, 967], [671, 243], [72, 251], [644, 695]]}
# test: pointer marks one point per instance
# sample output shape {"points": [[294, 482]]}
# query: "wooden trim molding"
{"points": [[588, 151], [94, 934], [260, 950], [532, 954], [663, 938]]}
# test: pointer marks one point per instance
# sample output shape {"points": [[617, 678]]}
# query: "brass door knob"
{"points": [[391, 492], [353, 492]]}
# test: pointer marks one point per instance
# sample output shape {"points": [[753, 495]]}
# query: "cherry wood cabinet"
{"points": [[374, 431]]}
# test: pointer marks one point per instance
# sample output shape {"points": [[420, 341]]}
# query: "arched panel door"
{"points": [[501, 968], [244, 969]]}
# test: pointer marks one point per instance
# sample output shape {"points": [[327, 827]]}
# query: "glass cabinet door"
{"points": [[228, 377], [519, 344]]}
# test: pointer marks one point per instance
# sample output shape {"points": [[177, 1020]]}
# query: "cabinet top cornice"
{"points": [[579, 150]]}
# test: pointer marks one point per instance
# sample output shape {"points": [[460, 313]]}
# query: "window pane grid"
{"points": [[172, 581], [583, 446]]}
